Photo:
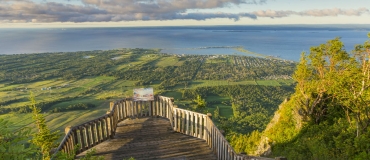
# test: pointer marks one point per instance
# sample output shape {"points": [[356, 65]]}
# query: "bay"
{"points": [[286, 42]]}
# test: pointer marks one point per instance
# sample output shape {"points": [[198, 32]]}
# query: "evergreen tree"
{"points": [[43, 138]]}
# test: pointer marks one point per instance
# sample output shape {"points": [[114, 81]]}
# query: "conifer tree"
{"points": [[43, 138]]}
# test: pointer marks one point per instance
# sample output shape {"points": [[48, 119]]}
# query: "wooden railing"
{"points": [[91, 133]]}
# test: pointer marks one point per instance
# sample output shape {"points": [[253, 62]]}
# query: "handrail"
{"points": [[98, 130]]}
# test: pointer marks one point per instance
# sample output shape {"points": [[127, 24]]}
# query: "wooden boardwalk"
{"points": [[152, 138]]}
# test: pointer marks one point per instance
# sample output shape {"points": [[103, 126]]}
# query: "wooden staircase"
{"points": [[152, 138]]}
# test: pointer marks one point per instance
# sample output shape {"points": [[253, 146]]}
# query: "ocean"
{"points": [[286, 42]]}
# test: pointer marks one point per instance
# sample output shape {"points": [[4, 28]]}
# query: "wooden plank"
{"points": [[111, 127], [157, 103], [75, 138], [187, 122], [93, 131], [124, 108], [82, 138], [107, 130], [179, 121], [102, 130], [88, 138], [67, 146], [150, 108], [200, 135], [183, 121], [175, 118], [206, 133], [191, 124], [161, 110], [196, 116], [141, 109], [97, 129], [120, 108], [171, 116]]}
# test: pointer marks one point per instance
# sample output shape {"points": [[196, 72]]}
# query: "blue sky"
{"points": [[64, 13]]}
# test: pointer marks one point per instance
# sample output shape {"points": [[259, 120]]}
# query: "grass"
{"points": [[59, 121], [175, 94], [74, 88], [93, 81], [143, 59], [216, 60], [285, 82], [168, 61], [225, 111], [91, 100], [268, 83], [203, 83], [217, 98]]}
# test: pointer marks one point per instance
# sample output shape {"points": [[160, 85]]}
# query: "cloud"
{"points": [[116, 10], [315, 12], [133, 10]]}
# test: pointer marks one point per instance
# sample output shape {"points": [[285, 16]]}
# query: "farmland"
{"points": [[62, 80]]}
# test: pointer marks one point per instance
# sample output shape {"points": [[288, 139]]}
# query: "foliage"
{"points": [[328, 116], [200, 103], [78, 106], [12, 143], [43, 138], [216, 113], [245, 143]]}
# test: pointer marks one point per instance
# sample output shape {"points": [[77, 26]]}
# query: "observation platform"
{"points": [[149, 138], [149, 130]]}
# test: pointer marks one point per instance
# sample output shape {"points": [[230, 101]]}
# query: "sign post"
{"points": [[143, 94]]}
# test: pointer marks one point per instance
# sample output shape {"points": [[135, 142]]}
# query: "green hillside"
{"points": [[328, 116]]}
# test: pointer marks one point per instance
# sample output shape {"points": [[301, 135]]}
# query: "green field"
{"points": [[169, 61], [225, 111], [106, 76], [175, 94]]}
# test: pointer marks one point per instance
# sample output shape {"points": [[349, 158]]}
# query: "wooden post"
{"points": [[205, 126], [187, 122], [150, 108], [158, 104], [161, 109], [102, 129], [175, 118], [93, 136], [111, 104], [200, 135], [107, 128], [124, 108], [209, 115], [120, 109], [67, 129], [97, 128], [208, 128], [191, 124], [70, 139], [82, 137], [196, 125]]}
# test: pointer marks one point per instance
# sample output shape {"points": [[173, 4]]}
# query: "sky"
{"points": [[120, 13]]}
